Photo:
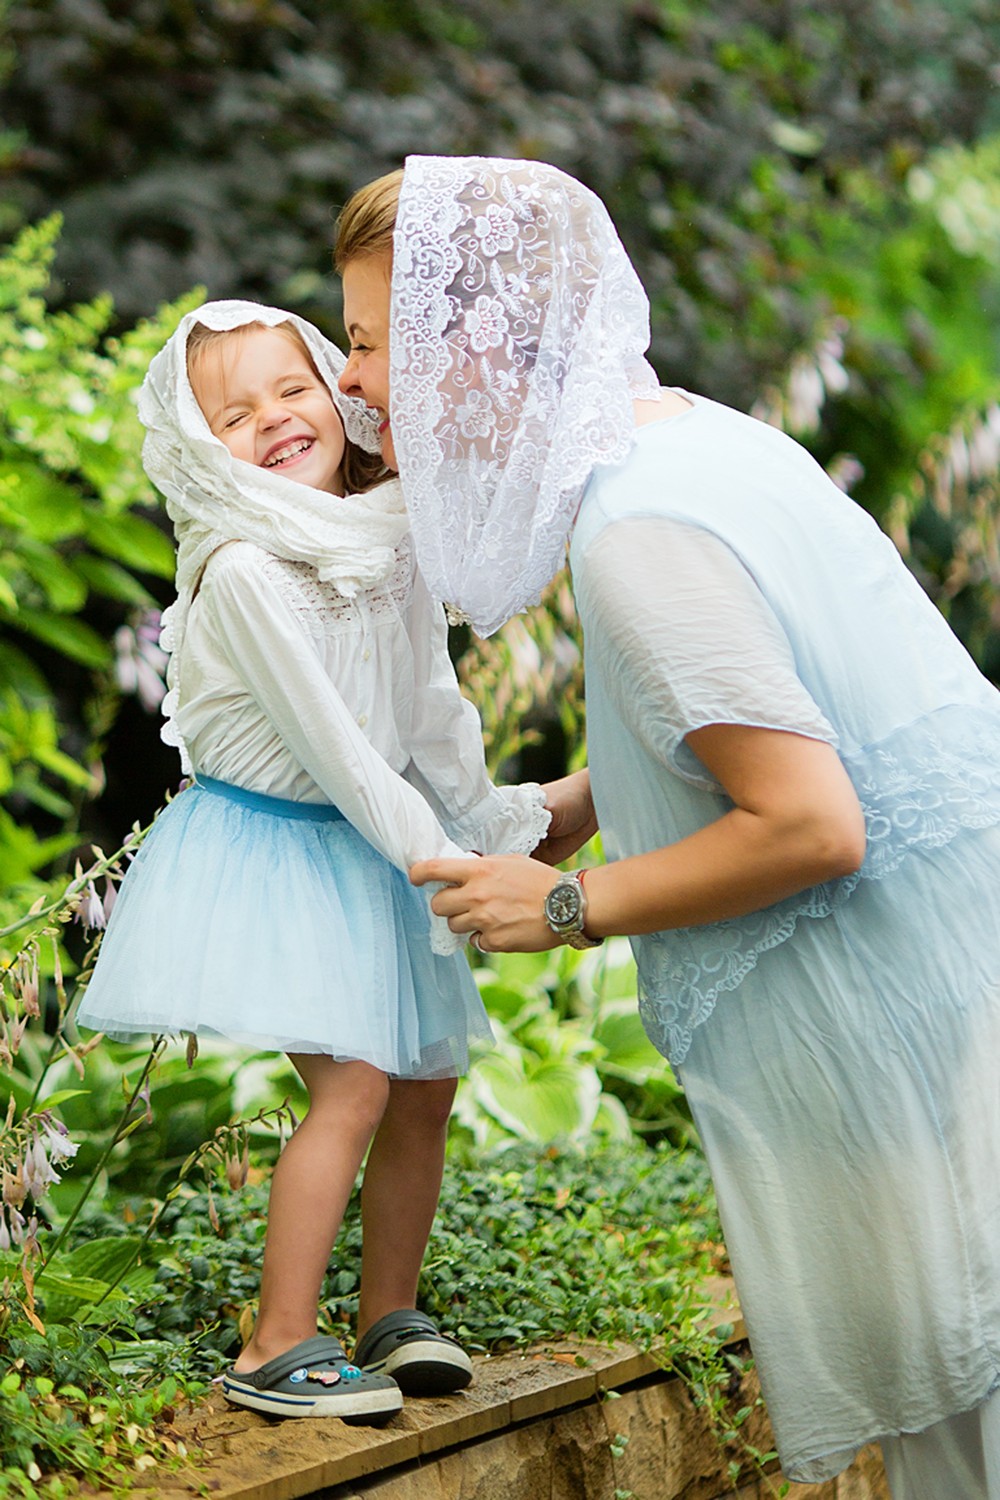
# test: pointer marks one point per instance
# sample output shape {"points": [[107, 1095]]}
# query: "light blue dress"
{"points": [[841, 1049]]}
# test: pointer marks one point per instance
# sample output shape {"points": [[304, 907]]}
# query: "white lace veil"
{"points": [[212, 497], [517, 344]]}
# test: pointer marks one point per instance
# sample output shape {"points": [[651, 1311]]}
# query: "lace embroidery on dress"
{"points": [[919, 789], [324, 610]]}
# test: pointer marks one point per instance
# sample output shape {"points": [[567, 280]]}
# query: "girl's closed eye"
{"points": [[267, 403]]}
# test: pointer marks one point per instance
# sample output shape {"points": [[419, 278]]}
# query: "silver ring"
{"points": [[475, 939]]}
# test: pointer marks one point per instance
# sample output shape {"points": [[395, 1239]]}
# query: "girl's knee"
{"points": [[352, 1089], [422, 1103]]}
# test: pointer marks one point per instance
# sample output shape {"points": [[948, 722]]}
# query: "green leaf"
{"points": [[52, 1101], [542, 1103], [72, 637], [112, 580], [628, 1051], [66, 590], [134, 541], [63, 765], [34, 500]]}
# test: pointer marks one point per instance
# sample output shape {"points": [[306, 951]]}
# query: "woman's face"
{"points": [[366, 318], [262, 398]]}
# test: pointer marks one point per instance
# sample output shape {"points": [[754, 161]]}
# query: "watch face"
{"points": [[562, 905]]}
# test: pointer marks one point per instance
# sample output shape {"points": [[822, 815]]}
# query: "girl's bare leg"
{"points": [[310, 1189], [400, 1193]]}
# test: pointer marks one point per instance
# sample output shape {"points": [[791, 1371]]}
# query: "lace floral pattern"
{"points": [[919, 790], [517, 347]]}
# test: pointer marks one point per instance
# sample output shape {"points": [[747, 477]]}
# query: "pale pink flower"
{"points": [[90, 910], [140, 664], [13, 1188], [27, 989], [238, 1167], [60, 1147], [110, 897], [37, 1170], [31, 1245], [4, 1232]]}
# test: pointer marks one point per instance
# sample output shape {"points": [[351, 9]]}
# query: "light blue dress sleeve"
{"points": [[686, 639]]}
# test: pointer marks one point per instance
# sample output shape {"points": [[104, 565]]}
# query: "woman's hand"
{"points": [[500, 898], [574, 821]]}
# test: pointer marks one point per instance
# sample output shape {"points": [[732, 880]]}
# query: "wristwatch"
{"points": [[566, 911]]}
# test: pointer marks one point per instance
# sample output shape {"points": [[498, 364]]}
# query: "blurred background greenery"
{"points": [[811, 193]]}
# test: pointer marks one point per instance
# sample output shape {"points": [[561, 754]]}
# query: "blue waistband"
{"points": [[278, 807]]}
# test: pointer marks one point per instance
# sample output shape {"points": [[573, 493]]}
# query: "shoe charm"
{"points": [[325, 1377]]}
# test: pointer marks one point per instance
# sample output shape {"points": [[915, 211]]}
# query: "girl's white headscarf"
{"points": [[212, 497], [517, 346]]}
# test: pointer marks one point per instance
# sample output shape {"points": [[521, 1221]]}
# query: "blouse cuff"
{"points": [[509, 820], [444, 942]]}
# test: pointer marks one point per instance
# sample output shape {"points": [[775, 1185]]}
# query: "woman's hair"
{"points": [[366, 221], [359, 470]]}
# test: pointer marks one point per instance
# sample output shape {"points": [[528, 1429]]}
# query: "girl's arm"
{"points": [[448, 763], [277, 664]]}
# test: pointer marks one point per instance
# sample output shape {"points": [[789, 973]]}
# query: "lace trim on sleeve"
{"points": [[919, 789], [511, 820]]}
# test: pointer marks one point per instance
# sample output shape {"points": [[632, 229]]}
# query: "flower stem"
{"points": [[120, 1128]]}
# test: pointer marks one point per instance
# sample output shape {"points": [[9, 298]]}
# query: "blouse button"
{"points": [[365, 655], [362, 720]]}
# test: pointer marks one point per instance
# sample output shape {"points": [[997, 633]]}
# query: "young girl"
{"points": [[317, 711]]}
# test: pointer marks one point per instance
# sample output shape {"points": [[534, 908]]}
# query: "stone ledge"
{"points": [[533, 1423]]}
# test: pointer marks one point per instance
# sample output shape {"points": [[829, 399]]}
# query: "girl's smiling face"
{"points": [[263, 399]]}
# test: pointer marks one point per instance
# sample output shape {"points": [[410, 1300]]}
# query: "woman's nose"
{"points": [[348, 381]]}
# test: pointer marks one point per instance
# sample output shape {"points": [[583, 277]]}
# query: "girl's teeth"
{"points": [[284, 454]]}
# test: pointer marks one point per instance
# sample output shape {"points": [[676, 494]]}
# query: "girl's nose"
{"points": [[273, 414]]}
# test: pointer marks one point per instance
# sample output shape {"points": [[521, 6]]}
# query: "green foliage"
{"points": [[528, 1245], [215, 142], [72, 538], [571, 1062]]}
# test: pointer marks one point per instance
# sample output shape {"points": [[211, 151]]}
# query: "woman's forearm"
{"points": [[736, 865]]}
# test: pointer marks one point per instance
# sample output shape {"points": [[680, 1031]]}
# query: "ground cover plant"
{"points": [[585, 1233], [827, 255]]}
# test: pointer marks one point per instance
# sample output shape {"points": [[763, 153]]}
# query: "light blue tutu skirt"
{"points": [[277, 925]]}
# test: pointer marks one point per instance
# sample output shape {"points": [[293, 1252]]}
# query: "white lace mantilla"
{"points": [[518, 338], [213, 497], [919, 789]]}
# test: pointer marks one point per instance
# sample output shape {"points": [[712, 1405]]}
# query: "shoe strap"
{"points": [[403, 1324], [321, 1350]]}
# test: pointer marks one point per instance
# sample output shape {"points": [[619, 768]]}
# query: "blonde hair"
{"points": [[359, 470], [366, 222]]}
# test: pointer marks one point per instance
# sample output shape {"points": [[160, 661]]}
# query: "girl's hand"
{"points": [[500, 898], [574, 820]]}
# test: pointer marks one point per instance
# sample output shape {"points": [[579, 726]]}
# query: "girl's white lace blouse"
{"points": [[290, 689]]}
